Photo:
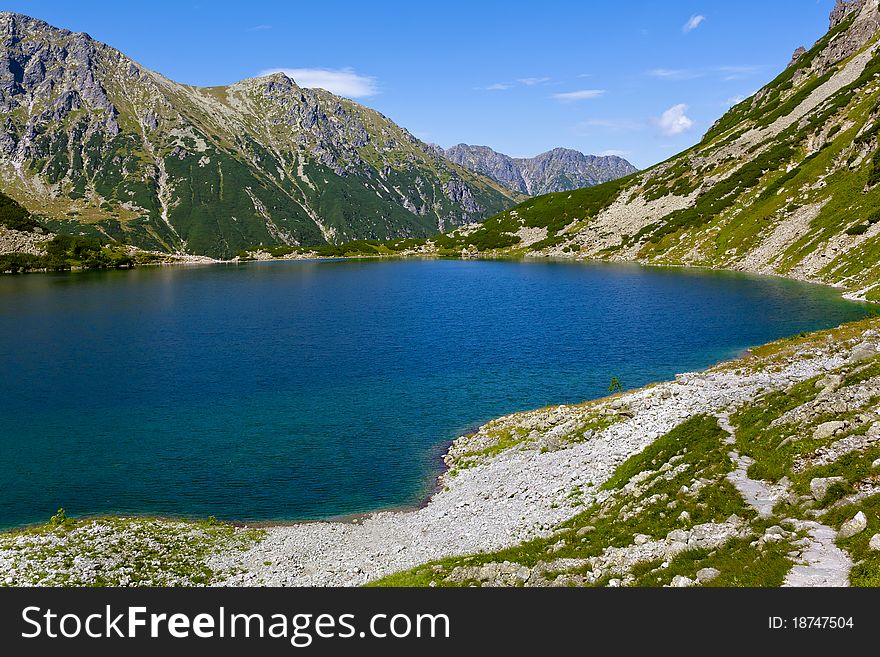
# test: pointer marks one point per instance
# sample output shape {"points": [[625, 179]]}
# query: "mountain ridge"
{"points": [[556, 170], [99, 144]]}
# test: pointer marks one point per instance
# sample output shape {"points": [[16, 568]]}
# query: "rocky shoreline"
{"points": [[516, 479], [519, 476]]}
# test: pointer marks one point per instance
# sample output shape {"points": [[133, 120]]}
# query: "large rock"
{"points": [[707, 574], [855, 525], [830, 381], [828, 429], [861, 352], [820, 485]]}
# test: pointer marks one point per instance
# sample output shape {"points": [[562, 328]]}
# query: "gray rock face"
{"points": [[828, 429], [558, 170], [820, 485], [863, 351], [855, 525], [799, 52]]}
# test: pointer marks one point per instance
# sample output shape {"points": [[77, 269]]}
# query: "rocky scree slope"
{"points": [[787, 182], [101, 145], [557, 170]]}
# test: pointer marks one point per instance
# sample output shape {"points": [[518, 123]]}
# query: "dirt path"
{"points": [[822, 563]]}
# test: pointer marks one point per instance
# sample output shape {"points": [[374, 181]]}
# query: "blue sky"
{"points": [[641, 78]]}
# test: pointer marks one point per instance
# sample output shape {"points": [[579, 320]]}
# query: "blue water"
{"points": [[297, 390]]}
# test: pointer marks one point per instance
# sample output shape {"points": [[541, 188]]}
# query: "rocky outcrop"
{"points": [[16, 241], [557, 170]]}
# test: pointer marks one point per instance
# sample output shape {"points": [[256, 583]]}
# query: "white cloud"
{"points": [[613, 152], [674, 121], [675, 73], [344, 82], [498, 86], [530, 82], [583, 94], [695, 21], [617, 125]]}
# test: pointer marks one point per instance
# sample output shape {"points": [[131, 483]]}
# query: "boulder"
{"points": [[855, 525], [862, 351], [874, 543], [707, 574], [829, 381], [820, 485], [828, 429], [680, 582]]}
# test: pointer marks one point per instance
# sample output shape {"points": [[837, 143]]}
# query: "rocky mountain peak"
{"points": [[99, 144], [842, 9], [559, 169]]}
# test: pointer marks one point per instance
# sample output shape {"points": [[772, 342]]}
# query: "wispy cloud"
{"points": [[583, 94], [738, 72], [726, 73], [498, 86], [676, 73], [618, 125], [259, 28], [693, 23], [675, 121], [531, 82], [344, 82]]}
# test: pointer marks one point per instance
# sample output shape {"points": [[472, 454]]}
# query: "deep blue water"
{"points": [[296, 390]]}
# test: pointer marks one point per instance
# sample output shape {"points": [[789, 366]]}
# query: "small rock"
{"points": [[874, 543], [614, 583], [641, 539], [820, 485], [680, 582], [585, 530], [707, 574], [775, 530], [684, 517], [828, 429], [876, 464], [855, 525]]}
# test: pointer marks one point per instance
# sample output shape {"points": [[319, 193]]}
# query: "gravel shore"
{"points": [[487, 500]]}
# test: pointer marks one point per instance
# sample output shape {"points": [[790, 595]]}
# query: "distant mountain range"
{"points": [[557, 170], [96, 143]]}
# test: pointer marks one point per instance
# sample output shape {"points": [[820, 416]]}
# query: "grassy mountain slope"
{"points": [[104, 146], [787, 182]]}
